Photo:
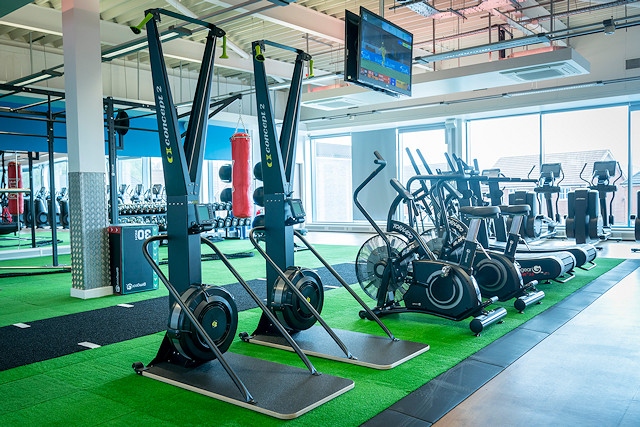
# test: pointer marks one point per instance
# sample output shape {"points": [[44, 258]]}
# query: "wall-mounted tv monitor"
{"points": [[378, 54]]}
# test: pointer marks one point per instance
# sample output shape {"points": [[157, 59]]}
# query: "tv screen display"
{"points": [[385, 54]]}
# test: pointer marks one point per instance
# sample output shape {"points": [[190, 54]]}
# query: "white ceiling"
{"points": [[317, 27]]}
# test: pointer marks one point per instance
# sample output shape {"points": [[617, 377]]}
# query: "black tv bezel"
{"points": [[352, 62]]}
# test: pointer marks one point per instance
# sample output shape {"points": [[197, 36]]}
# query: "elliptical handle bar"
{"points": [[620, 175], [581, 172], [379, 159], [402, 191], [531, 170]]}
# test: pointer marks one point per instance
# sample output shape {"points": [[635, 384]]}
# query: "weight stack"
{"points": [[130, 271]]}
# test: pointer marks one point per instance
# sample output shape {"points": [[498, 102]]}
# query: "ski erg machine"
{"points": [[202, 318], [294, 294]]}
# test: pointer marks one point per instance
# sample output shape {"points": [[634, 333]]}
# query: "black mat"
{"points": [[368, 350], [279, 390], [58, 336]]}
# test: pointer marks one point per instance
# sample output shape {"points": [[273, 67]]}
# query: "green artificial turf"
{"points": [[22, 239], [98, 387], [30, 298]]}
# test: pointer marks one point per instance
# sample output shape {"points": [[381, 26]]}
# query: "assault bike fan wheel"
{"points": [[288, 308], [371, 261], [215, 310]]}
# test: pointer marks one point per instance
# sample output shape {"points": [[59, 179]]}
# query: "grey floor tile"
{"points": [[391, 418]]}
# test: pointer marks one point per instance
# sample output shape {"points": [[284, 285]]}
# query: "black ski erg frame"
{"points": [[182, 164]]}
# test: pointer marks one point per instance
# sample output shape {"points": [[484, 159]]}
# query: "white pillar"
{"points": [[85, 146]]}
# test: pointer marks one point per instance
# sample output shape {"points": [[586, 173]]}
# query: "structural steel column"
{"points": [[85, 145]]}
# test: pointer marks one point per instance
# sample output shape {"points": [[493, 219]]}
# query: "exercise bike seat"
{"points": [[511, 210], [480, 211]]}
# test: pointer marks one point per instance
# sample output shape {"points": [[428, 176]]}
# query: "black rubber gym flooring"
{"points": [[58, 336]]}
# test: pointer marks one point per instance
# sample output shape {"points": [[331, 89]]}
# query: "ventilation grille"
{"points": [[330, 104], [633, 63], [542, 72]]}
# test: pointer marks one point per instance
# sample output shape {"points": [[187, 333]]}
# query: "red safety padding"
{"points": [[16, 203], [241, 175]]}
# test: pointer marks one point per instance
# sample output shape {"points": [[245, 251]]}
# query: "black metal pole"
{"points": [[113, 157], [32, 204], [52, 188]]}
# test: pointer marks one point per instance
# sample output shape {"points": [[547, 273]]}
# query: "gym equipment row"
{"points": [[43, 217], [203, 318], [556, 257], [541, 265], [401, 268], [589, 218]]}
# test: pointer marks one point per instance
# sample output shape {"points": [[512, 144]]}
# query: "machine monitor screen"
{"points": [[601, 169], [378, 54], [294, 214], [491, 173], [297, 211], [202, 213], [551, 168]]}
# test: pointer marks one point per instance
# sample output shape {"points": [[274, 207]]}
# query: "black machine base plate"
{"points": [[370, 350], [280, 391]]}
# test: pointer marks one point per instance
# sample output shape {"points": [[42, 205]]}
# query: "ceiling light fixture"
{"points": [[420, 7], [37, 77], [476, 50], [142, 43]]}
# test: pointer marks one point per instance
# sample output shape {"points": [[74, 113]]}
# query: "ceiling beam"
{"points": [[8, 6], [49, 21], [297, 17]]}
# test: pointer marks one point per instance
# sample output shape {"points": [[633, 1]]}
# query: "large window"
{"points": [[510, 144], [578, 138], [331, 180], [634, 170], [519, 145], [430, 142]]}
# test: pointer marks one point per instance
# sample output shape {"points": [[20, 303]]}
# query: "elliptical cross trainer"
{"points": [[398, 271]]}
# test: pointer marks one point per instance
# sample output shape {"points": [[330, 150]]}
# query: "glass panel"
{"points": [[332, 187], [431, 143], [635, 156], [509, 144], [157, 174], [130, 174], [577, 139]]}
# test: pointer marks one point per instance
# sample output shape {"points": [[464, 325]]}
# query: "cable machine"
{"points": [[203, 318]]}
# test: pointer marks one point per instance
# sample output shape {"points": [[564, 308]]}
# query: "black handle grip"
{"points": [[401, 189], [379, 159]]}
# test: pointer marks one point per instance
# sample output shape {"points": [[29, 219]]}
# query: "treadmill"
{"points": [[584, 254]]}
